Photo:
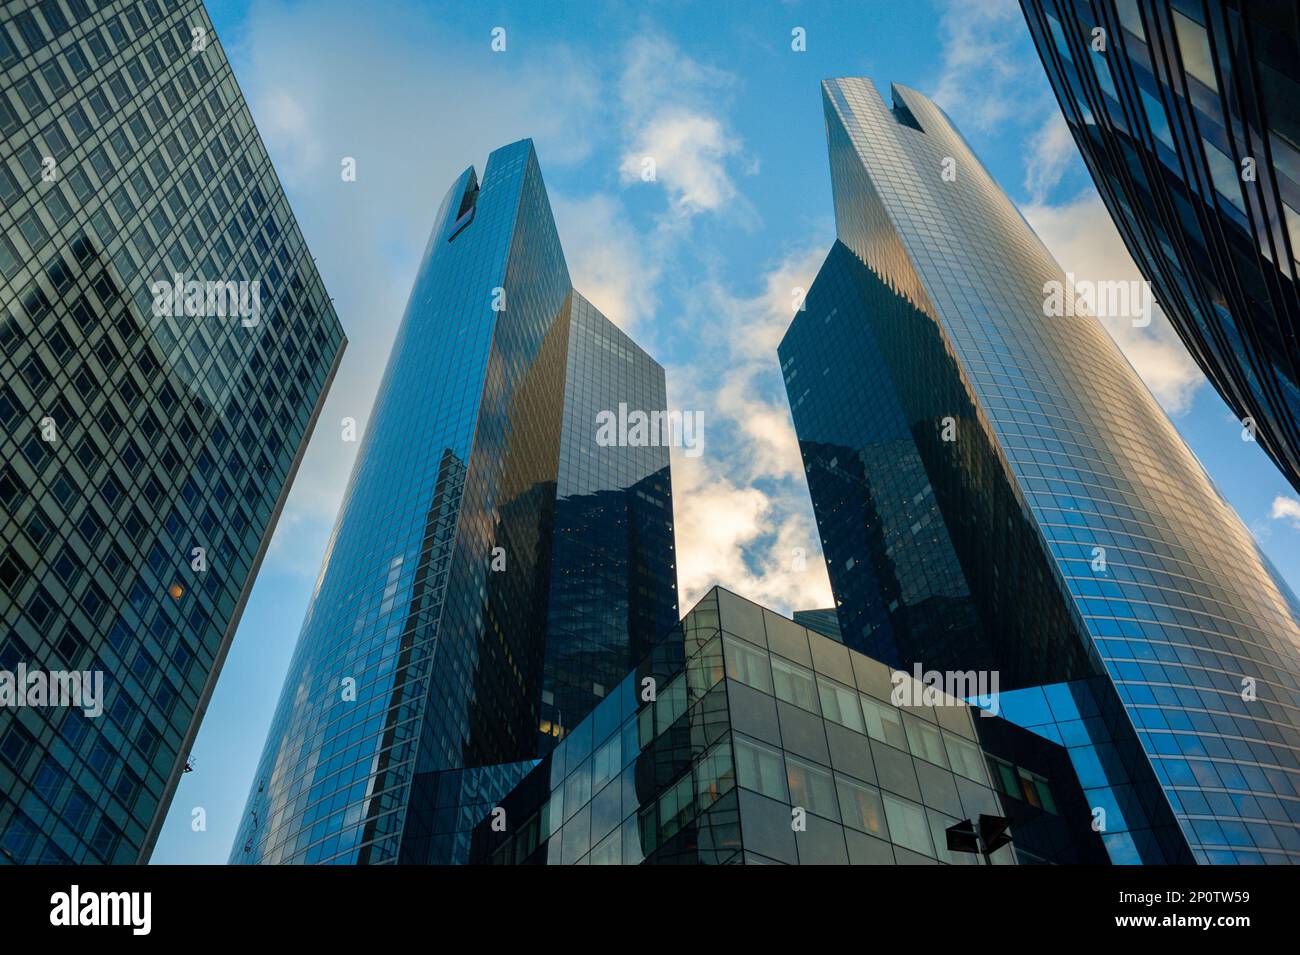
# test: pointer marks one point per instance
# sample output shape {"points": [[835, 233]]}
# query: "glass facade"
{"points": [[145, 453], [491, 567], [1187, 121], [613, 574], [997, 490], [746, 738], [825, 621]]}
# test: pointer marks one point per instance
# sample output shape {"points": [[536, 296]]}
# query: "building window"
{"points": [[907, 825], [748, 665], [860, 806], [884, 723], [925, 740], [966, 758], [794, 684], [812, 788], [715, 776], [760, 768], [840, 704], [1157, 118], [1224, 174], [1035, 791], [1194, 46]]}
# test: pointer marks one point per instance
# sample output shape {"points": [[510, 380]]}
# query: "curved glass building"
{"points": [[493, 572], [1188, 122], [996, 490]]}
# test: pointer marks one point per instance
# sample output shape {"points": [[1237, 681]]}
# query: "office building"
{"points": [[166, 345], [744, 737], [997, 491], [494, 567], [1186, 117]]}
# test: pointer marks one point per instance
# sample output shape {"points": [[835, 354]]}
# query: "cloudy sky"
{"points": [[698, 266]]}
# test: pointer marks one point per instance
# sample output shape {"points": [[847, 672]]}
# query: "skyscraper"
{"points": [[996, 489], [824, 620], [1185, 114], [149, 438], [493, 569]]}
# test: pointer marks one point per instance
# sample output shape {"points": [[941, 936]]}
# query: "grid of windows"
{"points": [[1184, 101], [744, 737], [1184, 613], [458, 583], [613, 574], [132, 436]]}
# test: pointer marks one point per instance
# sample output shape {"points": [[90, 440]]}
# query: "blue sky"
{"points": [[698, 266]]}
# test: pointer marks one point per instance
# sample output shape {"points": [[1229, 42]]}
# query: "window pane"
{"points": [[860, 806], [812, 788], [883, 722], [925, 740], [840, 704], [609, 852], [794, 684], [715, 775], [1045, 794], [670, 705], [606, 763], [1194, 46], [907, 825], [1224, 174], [1005, 777], [704, 670], [1158, 118], [1130, 18], [748, 665], [760, 768], [966, 758]]}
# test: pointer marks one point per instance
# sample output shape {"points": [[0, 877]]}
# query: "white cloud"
{"points": [[1286, 509], [670, 104], [747, 540], [689, 152], [991, 81], [371, 87], [1084, 240], [982, 77], [1051, 151], [743, 516], [610, 263], [367, 87]]}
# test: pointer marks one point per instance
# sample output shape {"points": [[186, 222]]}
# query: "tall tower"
{"points": [[492, 571], [1186, 120], [995, 488], [147, 439]]}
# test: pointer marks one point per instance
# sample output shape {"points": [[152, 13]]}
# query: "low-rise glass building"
{"points": [[745, 737]]}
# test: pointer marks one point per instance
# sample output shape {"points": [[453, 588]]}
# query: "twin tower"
{"points": [[995, 490]]}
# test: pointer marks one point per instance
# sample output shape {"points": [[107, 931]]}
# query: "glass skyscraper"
{"points": [[825, 621], [493, 570], [147, 447], [997, 490], [1187, 120]]}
